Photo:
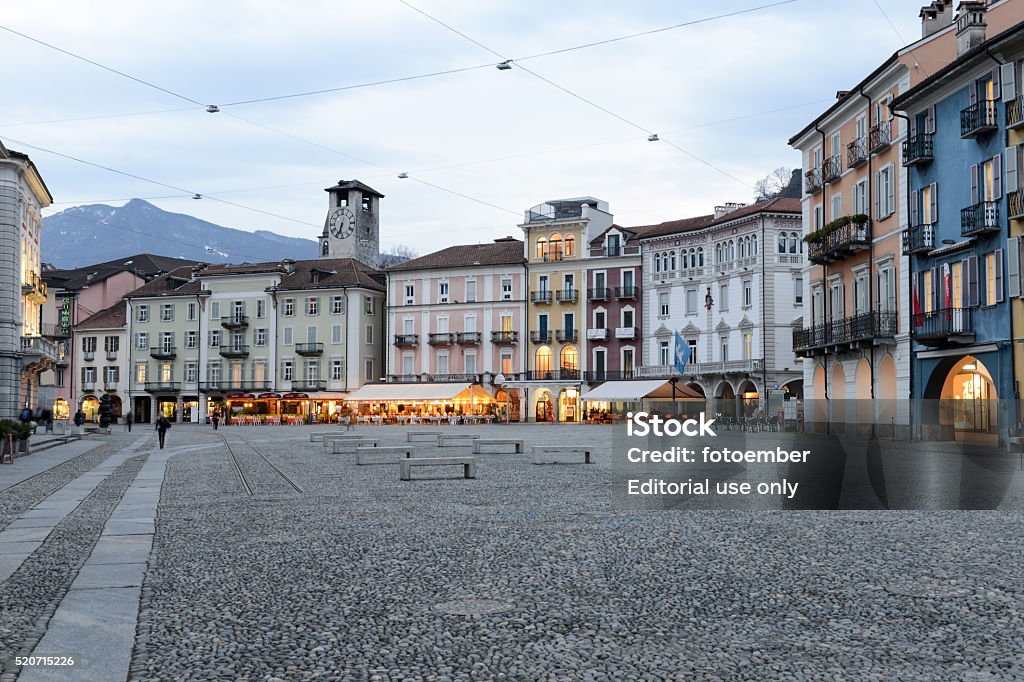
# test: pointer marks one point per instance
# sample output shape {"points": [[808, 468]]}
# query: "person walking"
{"points": [[216, 419], [162, 424], [128, 421]]}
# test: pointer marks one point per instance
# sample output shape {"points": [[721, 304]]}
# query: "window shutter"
{"points": [[891, 190], [915, 200], [913, 126], [878, 195], [1012, 178], [999, 276], [1013, 267], [930, 121], [997, 176], [936, 287], [965, 290], [935, 203], [972, 90], [972, 281], [995, 83], [1008, 82], [974, 184]]}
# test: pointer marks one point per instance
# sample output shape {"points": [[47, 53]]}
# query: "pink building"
{"points": [[457, 316]]}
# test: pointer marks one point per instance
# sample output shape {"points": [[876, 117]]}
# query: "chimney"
{"points": [[726, 209], [289, 265], [935, 17], [970, 25]]}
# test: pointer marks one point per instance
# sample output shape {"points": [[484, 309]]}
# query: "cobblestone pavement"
{"points": [[528, 573]]}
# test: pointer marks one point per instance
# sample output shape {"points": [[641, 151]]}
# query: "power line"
{"points": [[892, 25], [465, 196], [97, 117]]}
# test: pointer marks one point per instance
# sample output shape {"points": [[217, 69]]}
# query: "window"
{"points": [[570, 245], [261, 308], [368, 370], [408, 364], [723, 296], [166, 372], [860, 293], [336, 333], [782, 242], [691, 301], [313, 370], [260, 338], [795, 244], [215, 309], [470, 363], [288, 307], [167, 312], [860, 198], [213, 373], [506, 322], [748, 293], [140, 372], [628, 318], [555, 247], [191, 340], [885, 202], [142, 313], [111, 375], [663, 304], [470, 290], [994, 277], [111, 344], [837, 206], [506, 289], [442, 292], [663, 353], [506, 364], [287, 336], [141, 340], [311, 334], [287, 370], [724, 344], [89, 344], [923, 206], [748, 346], [798, 291], [337, 305], [370, 306], [369, 333], [337, 368], [214, 338], [191, 372], [542, 248], [190, 311], [313, 305], [58, 377], [885, 290], [410, 294], [600, 319], [692, 343]]}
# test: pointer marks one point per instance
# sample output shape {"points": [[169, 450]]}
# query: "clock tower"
{"points": [[352, 227]]}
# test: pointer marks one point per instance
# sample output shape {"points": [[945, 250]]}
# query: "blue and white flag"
{"points": [[682, 353]]}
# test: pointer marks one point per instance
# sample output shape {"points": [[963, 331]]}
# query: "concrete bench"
{"points": [[338, 446], [330, 437], [319, 437], [446, 440], [414, 436], [366, 453], [542, 453], [479, 443], [468, 465]]}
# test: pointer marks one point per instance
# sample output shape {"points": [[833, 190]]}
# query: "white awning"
{"points": [[410, 392], [625, 391]]}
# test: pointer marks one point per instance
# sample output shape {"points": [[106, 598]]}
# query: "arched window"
{"points": [[700, 257], [793, 242], [782, 242], [542, 248], [672, 260], [732, 250], [570, 245], [718, 253], [543, 363], [569, 358], [657, 262], [556, 246], [743, 247], [686, 259], [753, 245]]}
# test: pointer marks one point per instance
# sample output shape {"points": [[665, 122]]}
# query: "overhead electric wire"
{"points": [[97, 117], [891, 25]]}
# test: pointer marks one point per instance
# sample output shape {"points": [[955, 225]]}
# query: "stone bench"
{"points": [[319, 437], [468, 465], [479, 443], [541, 453], [366, 453], [444, 440], [330, 437], [339, 446], [413, 436]]}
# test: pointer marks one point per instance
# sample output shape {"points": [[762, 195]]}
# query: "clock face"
{"points": [[342, 223]]}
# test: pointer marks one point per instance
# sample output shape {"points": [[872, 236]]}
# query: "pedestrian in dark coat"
{"points": [[162, 424]]}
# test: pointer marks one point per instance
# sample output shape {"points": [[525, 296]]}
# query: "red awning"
{"points": [[268, 396], [295, 396], [234, 396]]}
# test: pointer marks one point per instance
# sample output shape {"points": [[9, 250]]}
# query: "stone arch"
{"points": [[819, 414]]}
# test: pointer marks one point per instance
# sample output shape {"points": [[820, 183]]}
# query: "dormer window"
{"points": [[314, 277]]}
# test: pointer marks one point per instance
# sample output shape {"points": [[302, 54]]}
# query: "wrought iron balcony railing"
{"points": [[568, 295], [163, 352], [541, 336], [235, 322], [918, 239], [540, 297], [627, 292], [163, 386], [468, 338], [978, 219], [563, 374], [407, 340], [918, 150], [839, 335], [978, 119], [879, 137], [831, 169], [848, 238], [234, 351], [1015, 113], [441, 339], [943, 326], [1015, 204], [309, 349], [567, 335], [857, 153], [505, 337], [599, 294], [812, 181]]}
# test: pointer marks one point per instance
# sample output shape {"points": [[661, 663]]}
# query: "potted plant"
{"points": [[21, 434]]}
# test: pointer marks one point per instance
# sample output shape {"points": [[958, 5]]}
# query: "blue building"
{"points": [[964, 265]]}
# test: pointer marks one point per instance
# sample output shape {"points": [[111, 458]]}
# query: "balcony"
{"points": [[542, 336], [109, 385], [981, 218], [1015, 205], [163, 386], [441, 339], [568, 295], [613, 251], [918, 239], [540, 297], [839, 239], [599, 294], [627, 292], [309, 349], [163, 352], [54, 331], [918, 150], [62, 361], [567, 335], [88, 355], [563, 374], [505, 338], [720, 367], [979, 119], [944, 327], [308, 385], [89, 385], [235, 322], [626, 332], [832, 169], [234, 351], [597, 377], [597, 335], [857, 153], [468, 338], [812, 181], [879, 137], [845, 334], [1015, 113], [34, 287], [35, 350], [111, 355], [232, 386], [407, 340]]}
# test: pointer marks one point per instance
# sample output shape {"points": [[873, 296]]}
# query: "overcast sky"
{"points": [[506, 138]]}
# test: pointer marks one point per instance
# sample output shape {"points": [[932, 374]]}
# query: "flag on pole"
{"points": [[682, 354]]}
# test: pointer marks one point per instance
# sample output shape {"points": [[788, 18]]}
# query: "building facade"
{"points": [[100, 364], [25, 353], [965, 266], [614, 315], [730, 284]]}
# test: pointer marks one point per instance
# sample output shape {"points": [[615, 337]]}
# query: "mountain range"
{"points": [[96, 233]]}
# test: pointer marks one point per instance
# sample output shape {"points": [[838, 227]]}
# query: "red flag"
{"points": [[918, 319]]}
